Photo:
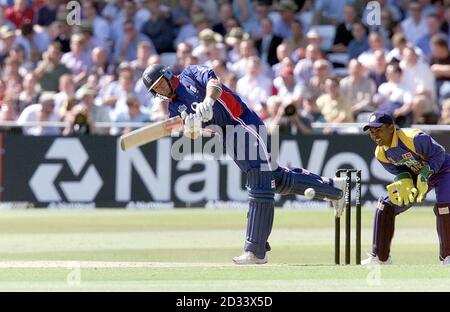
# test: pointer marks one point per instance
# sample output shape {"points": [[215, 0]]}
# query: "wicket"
{"points": [[348, 209]]}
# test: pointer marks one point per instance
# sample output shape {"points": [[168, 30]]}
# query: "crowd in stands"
{"points": [[293, 62]]}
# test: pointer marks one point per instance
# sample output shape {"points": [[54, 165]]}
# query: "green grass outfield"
{"points": [[191, 250]]}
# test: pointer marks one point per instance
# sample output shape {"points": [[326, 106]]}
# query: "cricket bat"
{"points": [[150, 133]]}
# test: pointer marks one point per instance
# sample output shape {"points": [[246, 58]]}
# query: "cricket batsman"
{"points": [[419, 164], [201, 100]]}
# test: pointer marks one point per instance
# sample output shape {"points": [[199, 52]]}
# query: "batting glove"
{"points": [[402, 191], [422, 183], [192, 125], [205, 109]]}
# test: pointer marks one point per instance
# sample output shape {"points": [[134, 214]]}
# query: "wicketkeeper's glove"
{"points": [[402, 191], [422, 183]]}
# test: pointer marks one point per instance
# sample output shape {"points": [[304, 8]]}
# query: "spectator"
{"points": [[11, 76], [359, 43], [159, 28], [30, 91], [314, 38], [395, 97], [246, 50], [282, 24], [46, 14], [139, 64], [94, 113], [423, 43], [189, 32], [428, 8], [367, 58], [253, 26], [100, 67], [267, 45], [78, 60], [285, 84], [378, 73], [8, 112], [334, 107], [208, 40], [100, 27], [445, 113], [43, 111], [316, 86], [181, 14], [20, 13], [210, 7], [418, 77], [284, 114], [244, 12], [220, 69], [50, 69], [445, 26], [254, 88], [414, 27], [283, 51], [117, 91], [34, 43], [233, 40], [134, 113], [18, 54], [184, 49], [91, 41], [66, 93], [400, 43], [358, 88], [303, 70], [3, 20], [344, 34], [329, 12], [440, 65], [61, 32], [127, 12], [225, 13], [389, 26], [126, 45], [7, 41], [160, 110], [113, 10], [216, 51], [297, 41]]}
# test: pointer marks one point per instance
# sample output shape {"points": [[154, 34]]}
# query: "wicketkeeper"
{"points": [[198, 96], [420, 165]]}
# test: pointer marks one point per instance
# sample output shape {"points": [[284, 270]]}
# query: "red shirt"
{"points": [[19, 18]]}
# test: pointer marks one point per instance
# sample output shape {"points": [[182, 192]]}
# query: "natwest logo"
{"points": [[42, 183]]}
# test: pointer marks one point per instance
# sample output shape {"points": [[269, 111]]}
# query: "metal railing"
{"points": [[352, 127]]}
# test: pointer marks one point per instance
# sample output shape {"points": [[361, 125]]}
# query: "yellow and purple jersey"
{"points": [[410, 150]]}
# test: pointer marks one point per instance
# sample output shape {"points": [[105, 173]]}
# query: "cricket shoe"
{"points": [[446, 261], [374, 260], [339, 204], [249, 257]]}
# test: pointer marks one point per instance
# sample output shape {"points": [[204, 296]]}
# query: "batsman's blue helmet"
{"points": [[153, 74]]}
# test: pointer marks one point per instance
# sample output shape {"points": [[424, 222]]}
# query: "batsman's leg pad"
{"points": [[442, 212], [383, 229], [261, 211], [296, 181]]}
